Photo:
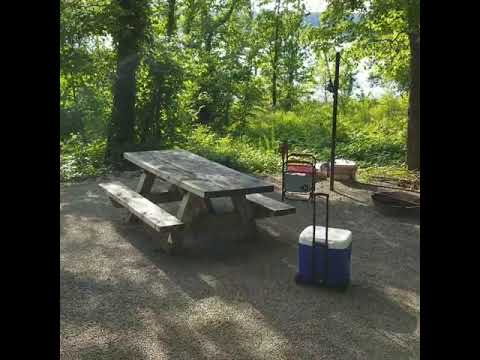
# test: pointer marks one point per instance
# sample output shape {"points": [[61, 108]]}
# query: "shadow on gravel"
{"points": [[111, 351], [365, 321], [261, 273]]}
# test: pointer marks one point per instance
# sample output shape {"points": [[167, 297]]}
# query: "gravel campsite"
{"points": [[122, 297]]}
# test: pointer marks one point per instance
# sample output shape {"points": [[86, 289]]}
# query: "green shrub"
{"points": [[236, 153], [70, 122], [371, 132], [80, 159]]}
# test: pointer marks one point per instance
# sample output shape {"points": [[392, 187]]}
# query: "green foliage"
{"points": [[80, 159], [158, 96], [236, 153], [70, 122], [282, 37], [86, 75], [214, 66], [377, 30], [369, 132], [376, 173]]}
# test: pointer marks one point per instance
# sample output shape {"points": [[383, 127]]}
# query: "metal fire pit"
{"points": [[397, 203]]}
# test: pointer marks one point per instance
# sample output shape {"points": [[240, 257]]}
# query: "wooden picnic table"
{"points": [[195, 182]]}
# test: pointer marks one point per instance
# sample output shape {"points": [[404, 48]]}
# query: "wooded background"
{"points": [[230, 79]]}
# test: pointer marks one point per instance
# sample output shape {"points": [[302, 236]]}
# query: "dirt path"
{"points": [[122, 298]]}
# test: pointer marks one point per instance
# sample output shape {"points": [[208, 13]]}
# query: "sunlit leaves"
{"points": [[378, 29]]}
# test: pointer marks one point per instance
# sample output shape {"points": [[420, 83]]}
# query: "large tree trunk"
{"points": [[171, 21], [413, 140], [121, 131]]}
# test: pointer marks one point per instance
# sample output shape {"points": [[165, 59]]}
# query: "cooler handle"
{"points": [[314, 195], [326, 216]]}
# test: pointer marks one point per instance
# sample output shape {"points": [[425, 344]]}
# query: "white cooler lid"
{"points": [[337, 238], [296, 174], [344, 162], [338, 162]]}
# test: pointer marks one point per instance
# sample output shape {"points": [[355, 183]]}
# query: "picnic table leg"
{"points": [[175, 193], [190, 207], [246, 212], [143, 187]]}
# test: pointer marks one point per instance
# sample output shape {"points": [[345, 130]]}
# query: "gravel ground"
{"points": [[122, 298]]}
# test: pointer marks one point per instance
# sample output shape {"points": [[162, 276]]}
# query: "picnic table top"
{"points": [[196, 174]]}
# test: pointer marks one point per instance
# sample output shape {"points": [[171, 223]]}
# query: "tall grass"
{"points": [[370, 132]]}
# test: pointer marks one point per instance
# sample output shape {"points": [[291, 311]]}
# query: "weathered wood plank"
{"points": [[190, 207], [195, 174], [151, 214], [266, 207], [146, 182], [143, 188]]}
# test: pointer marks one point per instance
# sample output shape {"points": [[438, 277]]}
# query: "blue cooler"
{"points": [[324, 256]]}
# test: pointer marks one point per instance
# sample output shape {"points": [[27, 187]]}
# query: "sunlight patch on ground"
{"points": [[248, 327], [210, 280], [405, 298]]}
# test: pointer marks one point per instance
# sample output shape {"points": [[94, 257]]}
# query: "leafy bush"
{"points": [[80, 159], [70, 122], [232, 152], [369, 131]]}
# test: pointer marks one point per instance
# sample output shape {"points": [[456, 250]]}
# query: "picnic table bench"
{"points": [[195, 182]]}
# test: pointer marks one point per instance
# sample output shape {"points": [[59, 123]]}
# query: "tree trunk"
{"points": [[413, 137], [121, 131], [274, 73], [171, 22]]}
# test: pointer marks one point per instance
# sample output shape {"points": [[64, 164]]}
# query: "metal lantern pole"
{"points": [[334, 120]]}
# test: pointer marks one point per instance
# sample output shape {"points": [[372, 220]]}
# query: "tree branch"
{"points": [[388, 39], [225, 17]]}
